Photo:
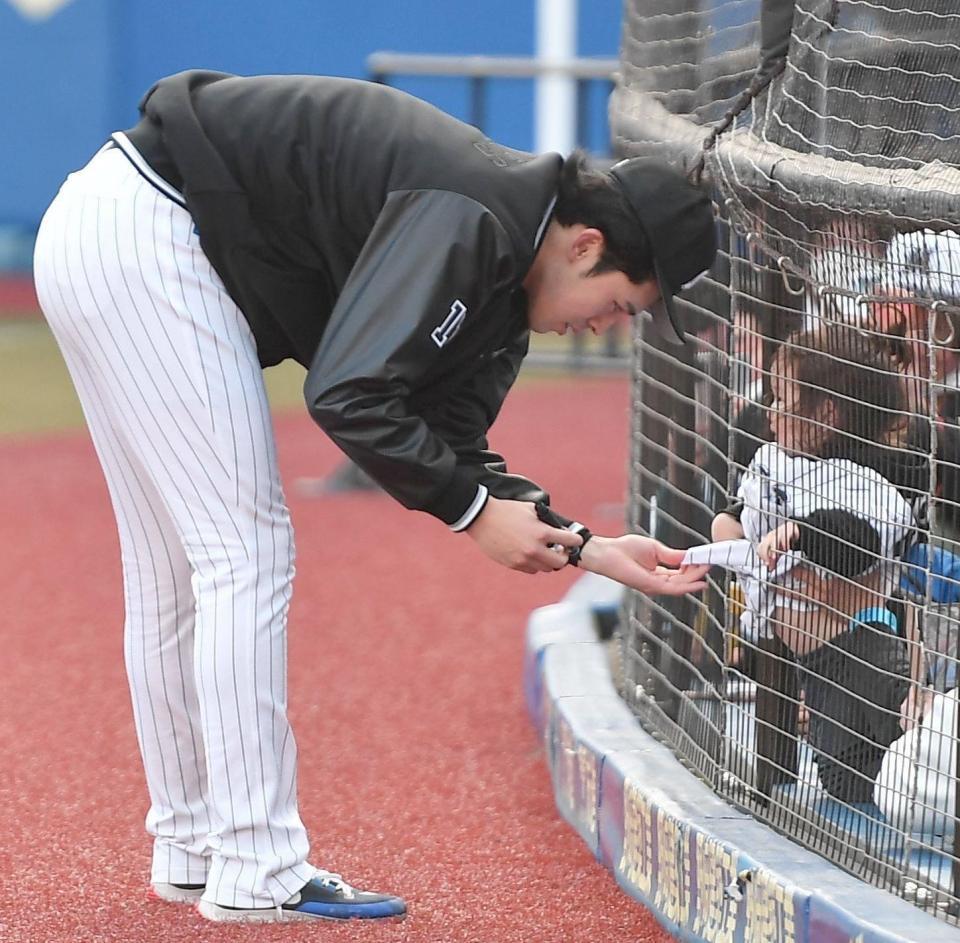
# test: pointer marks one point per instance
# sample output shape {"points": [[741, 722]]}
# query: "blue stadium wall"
{"points": [[71, 77]]}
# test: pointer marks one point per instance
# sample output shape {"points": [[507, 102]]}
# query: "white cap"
{"points": [[839, 484], [780, 486], [926, 264]]}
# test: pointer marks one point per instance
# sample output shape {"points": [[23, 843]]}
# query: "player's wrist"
{"points": [[591, 553], [473, 511]]}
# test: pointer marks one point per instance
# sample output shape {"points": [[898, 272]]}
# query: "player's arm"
{"points": [[464, 414], [514, 502], [369, 383], [643, 564], [432, 261], [635, 561]]}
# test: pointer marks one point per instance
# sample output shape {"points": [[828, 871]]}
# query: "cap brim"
{"points": [[664, 314]]}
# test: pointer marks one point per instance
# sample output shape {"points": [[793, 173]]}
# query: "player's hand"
{"points": [[778, 542], [642, 563], [511, 533]]}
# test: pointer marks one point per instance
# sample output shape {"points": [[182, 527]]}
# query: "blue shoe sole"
{"points": [[281, 915]]}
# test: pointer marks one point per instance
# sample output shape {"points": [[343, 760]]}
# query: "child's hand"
{"points": [[725, 527], [778, 542]]}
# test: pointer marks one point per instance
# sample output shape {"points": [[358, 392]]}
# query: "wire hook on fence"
{"points": [[939, 307], [783, 264]]}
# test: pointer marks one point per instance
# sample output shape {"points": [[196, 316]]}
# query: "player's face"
{"points": [[570, 298]]}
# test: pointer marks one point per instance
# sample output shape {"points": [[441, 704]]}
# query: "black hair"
{"points": [[839, 541], [590, 197]]}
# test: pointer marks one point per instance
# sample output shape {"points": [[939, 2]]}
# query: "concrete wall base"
{"points": [[705, 869]]}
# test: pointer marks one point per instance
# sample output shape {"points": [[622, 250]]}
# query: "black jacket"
{"points": [[854, 685], [380, 243]]}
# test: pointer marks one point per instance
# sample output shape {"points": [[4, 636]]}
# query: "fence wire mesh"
{"points": [[812, 413]]}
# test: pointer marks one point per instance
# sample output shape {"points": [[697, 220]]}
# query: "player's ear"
{"points": [[588, 244]]}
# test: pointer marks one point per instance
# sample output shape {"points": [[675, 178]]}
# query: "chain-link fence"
{"points": [[810, 420]]}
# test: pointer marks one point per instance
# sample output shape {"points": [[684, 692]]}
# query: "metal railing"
{"points": [[480, 70]]}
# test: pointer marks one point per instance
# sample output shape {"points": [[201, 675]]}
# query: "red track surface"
{"points": [[18, 296], [420, 772]]}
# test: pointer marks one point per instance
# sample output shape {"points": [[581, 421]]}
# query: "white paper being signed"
{"points": [[738, 555], [741, 556]]}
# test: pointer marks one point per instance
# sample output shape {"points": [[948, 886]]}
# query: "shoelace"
{"points": [[335, 882]]}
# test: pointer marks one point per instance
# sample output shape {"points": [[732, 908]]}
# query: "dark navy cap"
{"points": [[678, 220]]}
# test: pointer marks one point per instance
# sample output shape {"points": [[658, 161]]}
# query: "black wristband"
{"points": [[546, 514], [573, 553]]}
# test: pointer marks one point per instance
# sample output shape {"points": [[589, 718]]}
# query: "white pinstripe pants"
{"points": [[167, 373]]}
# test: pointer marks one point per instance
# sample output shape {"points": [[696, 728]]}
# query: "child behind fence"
{"points": [[822, 504]]}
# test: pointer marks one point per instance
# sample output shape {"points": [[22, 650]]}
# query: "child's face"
{"points": [[846, 596], [792, 430]]}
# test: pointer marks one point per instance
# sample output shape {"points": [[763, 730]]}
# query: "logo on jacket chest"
{"points": [[445, 332]]}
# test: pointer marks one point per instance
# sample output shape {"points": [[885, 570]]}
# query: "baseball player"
{"points": [[402, 258]]}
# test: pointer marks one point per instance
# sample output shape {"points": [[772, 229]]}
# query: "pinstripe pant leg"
{"points": [[167, 373], [158, 633]]}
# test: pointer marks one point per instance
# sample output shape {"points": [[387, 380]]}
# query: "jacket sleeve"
{"points": [[463, 418], [433, 260]]}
